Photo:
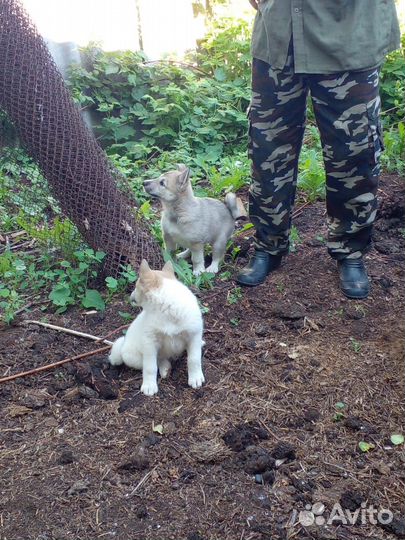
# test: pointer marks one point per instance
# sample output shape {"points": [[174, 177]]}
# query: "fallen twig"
{"points": [[219, 291], [35, 300], [141, 482], [54, 364], [16, 234], [15, 247], [299, 210], [103, 339], [70, 331], [27, 306]]}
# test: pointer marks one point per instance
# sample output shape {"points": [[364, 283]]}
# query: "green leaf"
{"points": [[111, 68], [340, 405], [145, 210], [124, 132], [19, 265], [99, 255], [220, 74], [397, 438], [4, 293], [365, 446], [130, 275], [93, 299], [60, 295], [111, 282], [105, 107]]}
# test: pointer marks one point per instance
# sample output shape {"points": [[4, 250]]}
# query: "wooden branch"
{"points": [[54, 365], [123, 327], [141, 482], [70, 331], [299, 210], [66, 360]]}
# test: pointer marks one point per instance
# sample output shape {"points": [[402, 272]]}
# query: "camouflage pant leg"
{"points": [[347, 110], [276, 128]]}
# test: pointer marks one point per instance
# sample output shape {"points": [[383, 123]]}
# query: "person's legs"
{"points": [[347, 110], [277, 123], [276, 129]]}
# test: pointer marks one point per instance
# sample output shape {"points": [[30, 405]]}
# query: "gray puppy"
{"points": [[190, 221]]}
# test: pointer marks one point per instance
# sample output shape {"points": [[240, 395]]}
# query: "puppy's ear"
{"points": [[169, 270], [183, 178], [144, 269], [181, 167]]}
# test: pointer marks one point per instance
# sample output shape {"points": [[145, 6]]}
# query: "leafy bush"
{"points": [[146, 110], [311, 171], [26, 276], [23, 189], [393, 157], [224, 53], [392, 86], [55, 235], [65, 282], [71, 281]]}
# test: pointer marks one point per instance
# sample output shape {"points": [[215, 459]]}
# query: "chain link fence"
{"points": [[50, 127]]}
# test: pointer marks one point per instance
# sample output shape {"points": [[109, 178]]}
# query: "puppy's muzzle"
{"points": [[149, 187]]}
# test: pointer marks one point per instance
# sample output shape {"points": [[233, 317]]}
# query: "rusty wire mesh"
{"points": [[50, 126]]}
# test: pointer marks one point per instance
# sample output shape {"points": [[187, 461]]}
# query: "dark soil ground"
{"points": [[240, 458]]}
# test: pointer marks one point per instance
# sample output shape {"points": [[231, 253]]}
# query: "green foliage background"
{"points": [[149, 116]]}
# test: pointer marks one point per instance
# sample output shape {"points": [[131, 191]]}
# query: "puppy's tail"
{"points": [[115, 357], [235, 206]]}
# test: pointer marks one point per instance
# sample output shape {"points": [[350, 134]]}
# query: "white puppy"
{"points": [[170, 323]]}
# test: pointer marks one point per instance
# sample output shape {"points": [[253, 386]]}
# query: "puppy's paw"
{"points": [[115, 360], [196, 380], [213, 268], [149, 388], [198, 271], [164, 368], [115, 357]]}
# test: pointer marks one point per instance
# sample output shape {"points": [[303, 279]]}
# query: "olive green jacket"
{"points": [[328, 35]]}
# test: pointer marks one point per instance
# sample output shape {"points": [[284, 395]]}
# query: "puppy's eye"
{"points": [[162, 182]]}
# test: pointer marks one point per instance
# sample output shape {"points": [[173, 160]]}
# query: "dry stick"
{"points": [[15, 247], [299, 210], [66, 360], [112, 332], [141, 482], [36, 301], [69, 331], [222, 289], [55, 364]]}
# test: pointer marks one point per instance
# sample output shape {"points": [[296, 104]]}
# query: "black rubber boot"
{"points": [[260, 265], [353, 278]]}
